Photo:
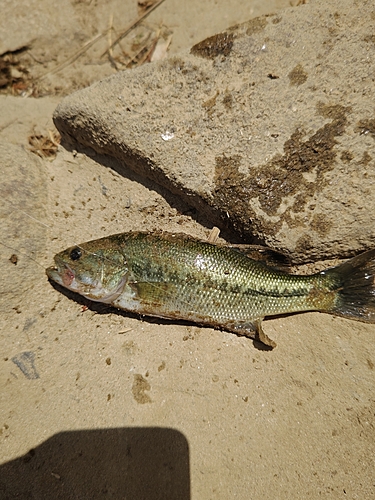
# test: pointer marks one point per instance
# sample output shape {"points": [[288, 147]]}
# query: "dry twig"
{"points": [[74, 56]]}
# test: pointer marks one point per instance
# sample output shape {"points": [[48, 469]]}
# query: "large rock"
{"points": [[268, 126]]}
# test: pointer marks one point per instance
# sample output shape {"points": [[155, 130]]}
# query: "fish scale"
{"points": [[225, 284], [178, 277]]}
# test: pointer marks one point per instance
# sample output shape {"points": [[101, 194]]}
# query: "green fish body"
{"points": [[177, 277]]}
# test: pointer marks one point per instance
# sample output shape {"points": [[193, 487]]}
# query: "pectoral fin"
{"points": [[155, 294]]}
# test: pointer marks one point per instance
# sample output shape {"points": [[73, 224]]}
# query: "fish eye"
{"points": [[76, 253]]}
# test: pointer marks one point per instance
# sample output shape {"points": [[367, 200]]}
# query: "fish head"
{"points": [[93, 269]]}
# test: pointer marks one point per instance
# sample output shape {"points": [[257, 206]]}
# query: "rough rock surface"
{"points": [[268, 126]]}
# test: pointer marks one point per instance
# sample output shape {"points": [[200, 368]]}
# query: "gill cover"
{"points": [[92, 270]]}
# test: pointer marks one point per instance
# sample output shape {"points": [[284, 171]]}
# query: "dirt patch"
{"points": [[283, 179]]}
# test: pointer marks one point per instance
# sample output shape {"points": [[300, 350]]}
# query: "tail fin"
{"points": [[355, 285]]}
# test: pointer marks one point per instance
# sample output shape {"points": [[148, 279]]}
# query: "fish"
{"points": [[178, 277]]}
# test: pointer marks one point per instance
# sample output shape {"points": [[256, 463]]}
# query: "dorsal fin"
{"points": [[271, 258]]}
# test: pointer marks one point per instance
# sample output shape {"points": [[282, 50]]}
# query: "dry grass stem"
{"points": [[133, 24], [45, 146]]}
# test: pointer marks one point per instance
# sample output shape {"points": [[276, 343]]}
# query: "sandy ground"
{"points": [[96, 403]]}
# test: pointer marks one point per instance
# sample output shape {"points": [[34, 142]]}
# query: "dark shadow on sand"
{"points": [[132, 463]]}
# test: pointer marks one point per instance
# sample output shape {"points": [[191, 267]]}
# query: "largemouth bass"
{"points": [[177, 277]]}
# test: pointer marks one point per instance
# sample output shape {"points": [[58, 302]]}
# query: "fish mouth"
{"points": [[53, 274], [62, 275]]}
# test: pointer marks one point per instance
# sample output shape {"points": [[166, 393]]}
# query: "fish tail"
{"points": [[354, 284]]}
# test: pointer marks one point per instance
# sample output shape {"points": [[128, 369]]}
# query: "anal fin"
{"points": [[253, 330], [262, 336]]}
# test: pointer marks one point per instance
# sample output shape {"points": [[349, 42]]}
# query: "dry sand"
{"points": [[100, 404]]}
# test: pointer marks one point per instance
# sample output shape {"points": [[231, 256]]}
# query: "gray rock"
{"points": [[268, 126]]}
